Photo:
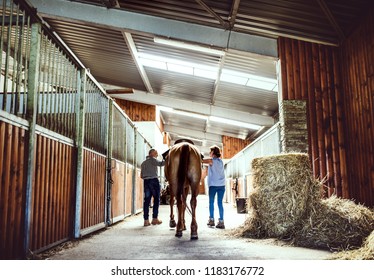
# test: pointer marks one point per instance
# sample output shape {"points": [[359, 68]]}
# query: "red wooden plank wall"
{"points": [[338, 84], [357, 56], [53, 193], [231, 146], [12, 191], [93, 190], [311, 72]]}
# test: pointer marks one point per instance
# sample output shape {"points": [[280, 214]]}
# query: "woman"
{"points": [[216, 183]]}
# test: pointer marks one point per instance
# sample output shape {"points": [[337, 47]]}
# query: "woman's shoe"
{"points": [[211, 222], [220, 224]]}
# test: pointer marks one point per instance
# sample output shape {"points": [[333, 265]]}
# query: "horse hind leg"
{"points": [[194, 235], [172, 222], [179, 230], [184, 212]]}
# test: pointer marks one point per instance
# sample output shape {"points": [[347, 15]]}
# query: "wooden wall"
{"points": [[357, 60], [53, 193], [128, 190], [139, 191], [338, 84], [118, 190], [93, 190], [12, 192], [311, 72], [137, 111], [231, 146]]}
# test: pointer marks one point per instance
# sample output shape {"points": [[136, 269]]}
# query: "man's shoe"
{"points": [[156, 221], [220, 224], [146, 223], [211, 222]]}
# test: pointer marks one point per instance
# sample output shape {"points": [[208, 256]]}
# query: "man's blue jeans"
{"points": [[220, 191], [151, 188]]}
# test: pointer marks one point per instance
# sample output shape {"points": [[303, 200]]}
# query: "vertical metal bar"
{"points": [[61, 95], [67, 97], [71, 101], [20, 63], [109, 163], [49, 94], [7, 57], [26, 75], [52, 87], [15, 62], [80, 109], [32, 103], [88, 114], [2, 44], [97, 124], [43, 72], [134, 176], [69, 94], [63, 98], [57, 91]]}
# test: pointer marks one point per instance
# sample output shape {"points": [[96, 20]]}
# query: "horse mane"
{"points": [[182, 169]]}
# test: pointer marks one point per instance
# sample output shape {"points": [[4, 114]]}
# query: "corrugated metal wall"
{"points": [[357, 60]]}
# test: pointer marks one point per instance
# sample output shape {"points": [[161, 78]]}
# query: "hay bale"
{"points": [[335, 224], [283, 190], [286, 203], [366, 252]]}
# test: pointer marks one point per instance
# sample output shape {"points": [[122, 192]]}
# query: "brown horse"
{"points": [[183, 170]]}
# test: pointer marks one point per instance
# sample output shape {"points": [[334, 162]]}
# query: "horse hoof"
{"points": [[172, 224], [194, 237], [179, 234]]}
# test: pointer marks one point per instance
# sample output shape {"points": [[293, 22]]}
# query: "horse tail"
{"points": [[182, 169]]}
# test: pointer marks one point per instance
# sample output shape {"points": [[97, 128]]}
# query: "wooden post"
{"points": [[32, 105], [80, 109]]}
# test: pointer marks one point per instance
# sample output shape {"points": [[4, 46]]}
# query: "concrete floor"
{"points": [[129, 240]]}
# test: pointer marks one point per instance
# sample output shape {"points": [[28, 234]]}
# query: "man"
{"points": [[151, 186]]}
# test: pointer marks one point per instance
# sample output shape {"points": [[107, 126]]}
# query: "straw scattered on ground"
{"points": [[366, 252]]}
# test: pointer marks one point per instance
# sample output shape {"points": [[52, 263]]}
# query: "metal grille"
{"points": [[267, 144], [130, 143], [57, 89], [140, 149], [15, 53], [96, 118], [119, 135]]}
